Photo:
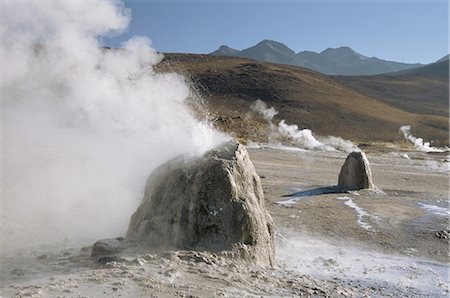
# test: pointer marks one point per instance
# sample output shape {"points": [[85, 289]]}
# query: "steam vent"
{"points": [[212, 203], [355, 173]]}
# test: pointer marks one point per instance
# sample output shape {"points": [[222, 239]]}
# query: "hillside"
{"points": [[337, 61], [303, 97], [422, 90], [439, 70], [445, 58]]}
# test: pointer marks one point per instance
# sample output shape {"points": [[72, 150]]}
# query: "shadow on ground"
{"points": [[317, 191]]}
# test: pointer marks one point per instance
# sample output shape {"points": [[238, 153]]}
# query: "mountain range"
{"points": [[332, 61]]}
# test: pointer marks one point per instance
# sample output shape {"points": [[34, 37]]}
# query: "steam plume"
{"points": [[302, 138], [82, 127], [261, 108], [418, 142]]}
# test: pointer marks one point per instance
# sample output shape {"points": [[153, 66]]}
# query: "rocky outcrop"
{"points": [[355, 173], [213, 203], [106, 247]]}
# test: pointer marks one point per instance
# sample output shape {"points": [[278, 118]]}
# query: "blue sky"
{"points": [[399, 30]]}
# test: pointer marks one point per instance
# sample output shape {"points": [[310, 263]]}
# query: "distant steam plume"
{"points": [[302, 138], [419, 143], [82, 127], [261, 108]]}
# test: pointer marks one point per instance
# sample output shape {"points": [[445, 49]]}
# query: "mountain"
{"points": [[418, 90], [327, 105], [346, 61], [338, 61], [439, 69], [314, 61], [343, 55], [225, 51], [445, 58], [269, 51]]}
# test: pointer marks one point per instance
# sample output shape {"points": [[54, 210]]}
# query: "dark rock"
{"points": [[107, 259], [106, 247], [444, 234], [355, 173]]}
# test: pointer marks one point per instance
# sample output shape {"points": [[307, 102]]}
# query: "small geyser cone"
{"points": [[213, 203], [355, 173]]}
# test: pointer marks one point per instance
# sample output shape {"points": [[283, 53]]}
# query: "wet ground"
{"points": [[407, 214]]}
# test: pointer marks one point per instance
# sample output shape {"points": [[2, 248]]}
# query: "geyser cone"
{"points": [[355, 173], [213, 203]]}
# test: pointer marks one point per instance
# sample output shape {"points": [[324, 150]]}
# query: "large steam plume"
{"points": [[82, 127]]}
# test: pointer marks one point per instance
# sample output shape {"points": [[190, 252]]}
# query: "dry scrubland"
{"points": [[363, 109]]}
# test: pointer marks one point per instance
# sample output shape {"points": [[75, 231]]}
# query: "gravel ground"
{"points": [[389, 242]]}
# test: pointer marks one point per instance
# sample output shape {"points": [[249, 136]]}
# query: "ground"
{"points": [[398, 220], [392, 241]]}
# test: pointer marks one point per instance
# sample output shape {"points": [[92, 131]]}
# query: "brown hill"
{"points": [[423, 90], [303, 97]]}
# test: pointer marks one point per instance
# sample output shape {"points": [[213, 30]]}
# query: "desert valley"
{"points": [[261, 172]]}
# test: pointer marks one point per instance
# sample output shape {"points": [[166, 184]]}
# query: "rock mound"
{"points": [[213, 203], [106, 247], [355, 173]]}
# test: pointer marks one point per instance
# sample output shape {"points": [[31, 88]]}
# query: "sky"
{"points": [[399, 30]]}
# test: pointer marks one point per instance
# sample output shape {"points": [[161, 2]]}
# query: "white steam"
{"points": [[82, 127], [418, 142], [339, 143], [302, 138], [261, 108]]}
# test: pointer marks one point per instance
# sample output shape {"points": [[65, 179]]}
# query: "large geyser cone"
{"points": [[213, 203], [355, 173]]}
